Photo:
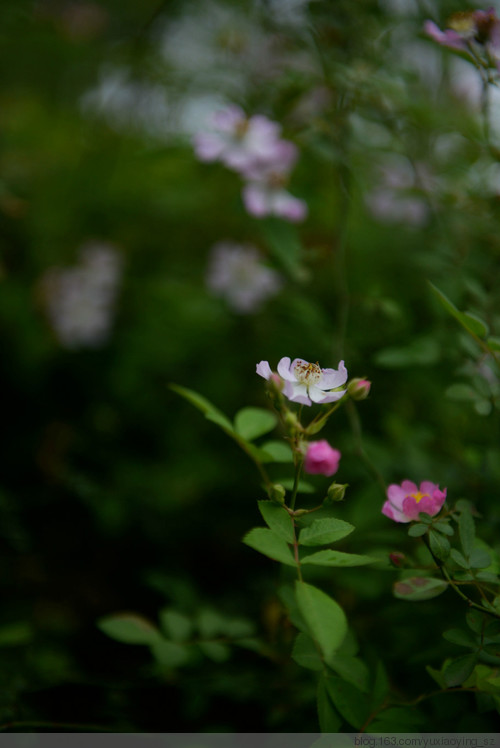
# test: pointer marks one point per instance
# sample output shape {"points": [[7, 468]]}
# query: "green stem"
{"points": [[298, 470]]}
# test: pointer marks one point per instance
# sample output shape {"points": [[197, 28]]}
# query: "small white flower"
{"points": [[306, 383]]}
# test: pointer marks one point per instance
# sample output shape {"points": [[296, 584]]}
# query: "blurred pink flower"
{"points": [[264, 199], [469, 32], [236, 273], [306, 383], [449, 38], [405, 502], [321, 459]]}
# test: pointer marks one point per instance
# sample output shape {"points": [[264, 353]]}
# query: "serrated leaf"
{"points": [[460, 637], [271, 545], [444, 527], [170, 654], [416, 589], [305, 653], [467, 532], [440, 546], [325, 531], [176, 626], [336, 558], [325, 618], [278, 519], [349, 701], [458, 670], [277, 451], [129, 628], [207, 408], [251, 423]]}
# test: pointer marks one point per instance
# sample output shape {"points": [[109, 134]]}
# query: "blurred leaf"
{"points": [[397, 719], [305, 653], [284, 242], [420, 352], [470, 322], [329, 719], [324, 617], [460, 637], [467, 532], [459, 559], [461, 392], [479, 559], [417, 529], [351, 669], [439, 545], [170, 654], [129, 628], [251, 423], [493, 344], [324, 531], [15, 634], [278, 519], [336, 558], [279, 451], [458, 670], [215, 651], [304, 486], [265, 541], [380, 687], [206, 407], [419, 588], [175, 625], [349, 700]]}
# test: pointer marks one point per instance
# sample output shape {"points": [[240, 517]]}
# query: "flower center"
{"points": [[418, 496], [307, 373]]}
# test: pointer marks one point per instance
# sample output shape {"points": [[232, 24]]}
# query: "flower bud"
{"points": [[321, 459], [336, 492], [276, 492], [359, 389], [397, 559]]}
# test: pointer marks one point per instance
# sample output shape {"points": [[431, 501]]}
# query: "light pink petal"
{"points": [[426, 487], [409, 487], [227, 120], [285, 371], [332, 378], [411, 508], [426, 506], [289, 207], [264, 370], [297, 393], [208, 146], [393, 513], [396, 495], [448, 38], [255, 200], [326, 397]]}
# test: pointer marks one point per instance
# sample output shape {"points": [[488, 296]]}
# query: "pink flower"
{"points": [[449, 38], [264, 199], [359, 389], [321, 459], [405, 502], [306, 383]]}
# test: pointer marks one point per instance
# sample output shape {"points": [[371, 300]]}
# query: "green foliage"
{"points": [[265, 541], [325, 531], [324, 617]]}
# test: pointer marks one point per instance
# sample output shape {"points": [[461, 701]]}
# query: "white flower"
{"points": [[237, 274], [306, 383]]}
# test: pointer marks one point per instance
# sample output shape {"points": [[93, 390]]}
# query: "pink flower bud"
{"points": [[397, 558], [359, 389], [321, 458]]}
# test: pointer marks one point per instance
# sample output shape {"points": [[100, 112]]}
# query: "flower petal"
{"points": [[409, 487], [297, 393], [390, 511], [333, 378], [264, 370], [284, 370], [320, 396], [411, 507]]}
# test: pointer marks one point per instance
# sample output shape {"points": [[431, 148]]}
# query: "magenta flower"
{"points": [[405, 502], [321, 459], [306, 383], [449, 38], [265, 199]]}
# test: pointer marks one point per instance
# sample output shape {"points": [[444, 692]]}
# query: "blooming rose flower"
{"points": [[236, 273], [306, 383], [405, 502], [321, 459]]}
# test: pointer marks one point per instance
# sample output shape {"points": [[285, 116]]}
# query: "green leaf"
{"points": [[444, 527], [397, 719], [421, 352], [325, 618], [215, 651], [476, 620], [251, 423], [284, 243], [206, 407], [416, 530], [348, 700], [336, 558], [278, 519], [325, 531], [304, 486], [467, 532], [459, 559], [458, 670], [265, 541], [493, 344], [470, 322], [439, 545], [381, 686], [461, 392], [277, 451], [460, 637], [15, 634], [175, 625], [305, 653], [170, 654], [351, 669], [416, 589], [479, 559], [129, 628], [329, 719]]}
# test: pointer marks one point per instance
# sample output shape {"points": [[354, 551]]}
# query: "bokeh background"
{"points": [[116, 495]]}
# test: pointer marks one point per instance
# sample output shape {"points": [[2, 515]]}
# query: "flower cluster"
{"points": [[236, 273], [305, 383], [80, 300], [476, 33], [405, 502], [253, 147]]}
